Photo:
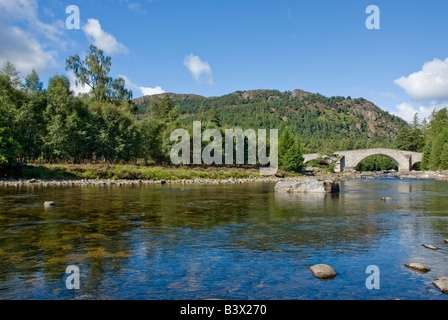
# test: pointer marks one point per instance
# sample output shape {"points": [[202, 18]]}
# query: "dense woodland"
{"points": [[51, 125]]}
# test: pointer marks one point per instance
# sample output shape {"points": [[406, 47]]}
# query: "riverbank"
{"points": [[123, 182], [432, 175], [104, 171], [219, 176], [105, 174]]}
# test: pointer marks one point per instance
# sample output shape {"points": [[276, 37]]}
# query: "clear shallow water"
{"points": [[222, 241]]}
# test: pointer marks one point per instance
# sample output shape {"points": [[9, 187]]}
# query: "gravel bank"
{"points": [[435, 175]]}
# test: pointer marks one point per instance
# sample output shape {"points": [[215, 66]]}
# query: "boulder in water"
{"points": [[308, 185], [49, 204], [430, 246], [441, 284], [323, 271], [417, 266]]}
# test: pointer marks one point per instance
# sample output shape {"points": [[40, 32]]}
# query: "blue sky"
{"points": [[212, 48]]}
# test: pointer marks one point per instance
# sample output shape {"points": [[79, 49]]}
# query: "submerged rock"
{"points": [[417, 266], [323, 271], [430, 247], [441, 284], [446, 240], [308, 185]]}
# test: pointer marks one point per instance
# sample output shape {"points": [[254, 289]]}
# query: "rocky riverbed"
{"points": [[435, 175]]}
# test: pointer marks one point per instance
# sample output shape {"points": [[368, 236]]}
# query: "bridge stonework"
{"points": [[348, 160]]}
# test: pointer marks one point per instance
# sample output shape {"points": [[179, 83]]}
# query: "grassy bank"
{"points": [[133, 172]]}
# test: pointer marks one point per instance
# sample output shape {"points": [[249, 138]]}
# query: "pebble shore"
{"points": [[435, 175], [111, 182]]}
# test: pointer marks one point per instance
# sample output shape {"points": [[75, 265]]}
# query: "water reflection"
{"points": [[218, 241]]}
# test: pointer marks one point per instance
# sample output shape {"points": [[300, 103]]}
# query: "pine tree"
{"points": [[435, 156], [32, 82], [290, 152], [213, 116], [293, 159]]}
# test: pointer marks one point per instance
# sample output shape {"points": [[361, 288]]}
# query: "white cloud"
{"points": [[198, 68], [23, 50], [102, 39], [407, 111], [77, 89], [150, 91], [427, 87], [25, 39], [146, 91], [27, 11], [430, 83], [19, 10]]}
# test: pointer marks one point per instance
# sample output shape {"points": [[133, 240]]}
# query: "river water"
{"points": [[238, 241]]}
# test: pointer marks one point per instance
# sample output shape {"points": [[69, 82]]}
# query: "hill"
{"points": [[324, 124]]}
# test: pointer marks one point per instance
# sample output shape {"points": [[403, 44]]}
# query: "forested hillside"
{"points": [[324, 124]]}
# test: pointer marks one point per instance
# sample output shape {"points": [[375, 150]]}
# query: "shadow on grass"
{"points": [[129, 172], [40, 172]]}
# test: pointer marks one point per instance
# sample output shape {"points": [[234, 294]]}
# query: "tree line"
{"points": [[52, 125], [430, 137]]}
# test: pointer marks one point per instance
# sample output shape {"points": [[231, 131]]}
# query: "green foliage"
{"points": [[435, 152], [213, 116], [293, 159], [11, 72], [290, 152], [410, 140], [8, 148], [117, 133], [93, 71], [162, 119], [32, 82], [376, 163], [53, 125]]}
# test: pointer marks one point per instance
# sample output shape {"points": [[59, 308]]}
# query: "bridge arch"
{"points": [[416, 166], [380, 154], [348, 160]]}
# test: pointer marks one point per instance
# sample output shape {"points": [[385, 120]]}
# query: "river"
{"points": [[235, 241]]}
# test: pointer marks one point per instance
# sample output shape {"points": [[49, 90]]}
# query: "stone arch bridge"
{"points": [[348, 160]]}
